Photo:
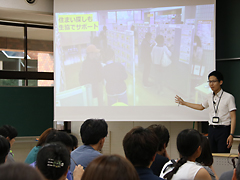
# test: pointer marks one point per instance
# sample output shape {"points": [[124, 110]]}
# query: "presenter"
{"points": [[222, 114]]}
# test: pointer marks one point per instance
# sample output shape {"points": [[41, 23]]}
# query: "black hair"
{"points": [[19, 171], [239, 148], [4, 149], [217, 74], [8, 131], [53, 160], [162, 133], [238, 170], [140, 145], [159, 40], [206, 158], [93, 130], [60, 136], [75, 141], [188, 142]]}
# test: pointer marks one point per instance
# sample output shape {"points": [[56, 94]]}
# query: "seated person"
{"points": [[59, 137], [75, 142], [189, 147], [32, 156], [162, 157], [206, 158], [236, 172], [110, 168], [19, 171], [53, 161], [229, 174], [9, 132], [140, 147], [93, 133], [4, 149]]}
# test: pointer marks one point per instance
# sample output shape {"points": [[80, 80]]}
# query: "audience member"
{"points": [[4, 149], [19, 171], [9, 132], [229, 174], [162, 157], [236, 172], [53, 161], [206, 158], [75, 142], [59, 137], [93, 133], [32, 156], [189, 147], [113, 167], [140, 147]]}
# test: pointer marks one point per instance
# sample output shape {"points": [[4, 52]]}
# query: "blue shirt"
{"points": [[32, 156], [145, 173], [83, 155]]}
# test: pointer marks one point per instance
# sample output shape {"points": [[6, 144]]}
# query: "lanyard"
{"points": [[215, 110]]}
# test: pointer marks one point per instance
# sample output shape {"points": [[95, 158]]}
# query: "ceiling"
{"points": [[26, 17]]}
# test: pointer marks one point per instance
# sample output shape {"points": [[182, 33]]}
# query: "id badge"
{"points": [[215, 119]]}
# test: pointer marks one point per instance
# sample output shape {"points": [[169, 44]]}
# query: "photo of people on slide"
{"points": [[134, 57]]}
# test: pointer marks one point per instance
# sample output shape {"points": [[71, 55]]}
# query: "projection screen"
{"points": [[126, 60]]}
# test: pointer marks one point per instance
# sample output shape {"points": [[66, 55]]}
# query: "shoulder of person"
{"points": [[202, 174]]}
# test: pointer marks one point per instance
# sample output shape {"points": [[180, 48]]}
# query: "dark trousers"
{"points": [[217, 136]]}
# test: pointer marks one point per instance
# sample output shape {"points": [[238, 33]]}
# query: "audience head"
{"points": [[148, 36], [113, 167], [206, 158], [140, 146], [60, 136], [75, 142], [19, 171], [53, 161], [9, 132], [93, 130], [189, 146], [4, 149], [162, 134], [43, 136]]}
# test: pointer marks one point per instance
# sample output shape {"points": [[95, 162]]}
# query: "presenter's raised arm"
{"points": [[180, 101]]}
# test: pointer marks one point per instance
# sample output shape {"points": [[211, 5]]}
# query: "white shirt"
{"points": [[225, 105], [157, 54], [187, 171]]}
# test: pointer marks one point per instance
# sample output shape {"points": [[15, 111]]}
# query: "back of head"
{"points": [[206, 158], [92, 130], [113, 167], [159, 40], [140, 145], [75, 141], [43, 136], [53, 160], [8, 131], [162, 134], [188, 141], [4, 149], [238, 170], [60, 136], [19, 171], [217, 74]]}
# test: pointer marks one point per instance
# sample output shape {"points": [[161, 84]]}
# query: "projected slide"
{"points": [[133, 57]]}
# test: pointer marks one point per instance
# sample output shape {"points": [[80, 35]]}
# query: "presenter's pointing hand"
{"points": [[179, 100]]}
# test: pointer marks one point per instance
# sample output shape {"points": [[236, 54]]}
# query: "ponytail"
{"points": [[169, 175]]}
